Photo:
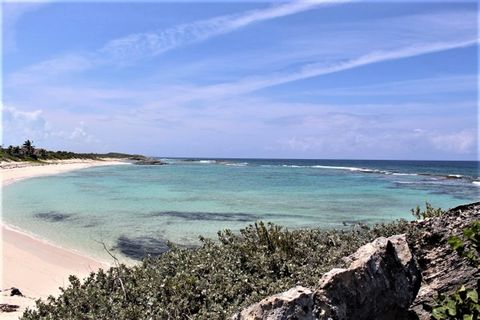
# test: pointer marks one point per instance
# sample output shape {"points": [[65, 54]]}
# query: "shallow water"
{"points": [[137, 208]]}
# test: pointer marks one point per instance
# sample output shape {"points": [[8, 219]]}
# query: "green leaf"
{"points": [[456, 243], [451, 307], [472, 295], [439, 313]]}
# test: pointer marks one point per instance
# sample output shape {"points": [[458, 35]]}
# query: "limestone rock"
{"points": [[296, 303], [442, 270], [381, 282]]}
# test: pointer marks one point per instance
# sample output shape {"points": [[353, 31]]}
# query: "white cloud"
{"points": [[80, 133], [48, 70], [135, 46], [434, 85], [20, 125], [461, 142], [155, 43], [251, 84], [11, 13]]}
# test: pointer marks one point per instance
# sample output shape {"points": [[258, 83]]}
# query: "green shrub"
{"points": [[462, 305], [469, 246], [429, 212], [214, 280]]}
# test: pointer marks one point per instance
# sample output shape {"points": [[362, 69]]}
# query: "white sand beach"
{"points": [[32, 265], [15, 171]]}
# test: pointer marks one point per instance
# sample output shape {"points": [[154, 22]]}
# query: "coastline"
{"points": [[33, 265], [16, 171]]}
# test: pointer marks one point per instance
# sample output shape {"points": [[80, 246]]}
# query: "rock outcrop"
{"points": [[296, 303], [383, 278], [442, 270], [380, 283], [150, 162]]}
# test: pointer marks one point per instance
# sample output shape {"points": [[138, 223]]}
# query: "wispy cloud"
{"points": [[155, 43], [220, 105], [130, 48], [424, 86], [318, 69], [48, 70], [12, 12]]}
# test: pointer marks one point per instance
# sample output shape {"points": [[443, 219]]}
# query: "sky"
{"points": [[326, 79]]}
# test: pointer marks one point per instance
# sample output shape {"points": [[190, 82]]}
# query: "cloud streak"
{"points": [[155, 43], [424, 86], [319, 69], [126, 50]]}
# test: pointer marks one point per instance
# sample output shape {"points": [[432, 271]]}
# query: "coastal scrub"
{"points": [[214, 280]]}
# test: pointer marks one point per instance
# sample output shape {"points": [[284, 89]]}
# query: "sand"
{"points": [[36, 267], [15, 171]]}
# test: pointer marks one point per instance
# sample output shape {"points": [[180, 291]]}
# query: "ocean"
{"points": [[134, 209]]}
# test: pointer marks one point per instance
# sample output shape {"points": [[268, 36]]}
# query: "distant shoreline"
{"points": [[38, 268], [15, 171]]}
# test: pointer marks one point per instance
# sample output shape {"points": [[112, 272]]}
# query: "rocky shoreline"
{"points": [[387, 279]]}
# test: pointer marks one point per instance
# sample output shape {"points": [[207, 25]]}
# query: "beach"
{"points": [[36, 267], [16, 171]]}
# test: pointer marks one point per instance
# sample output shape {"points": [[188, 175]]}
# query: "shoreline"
{"points": [[15, 171], [34, 265]]}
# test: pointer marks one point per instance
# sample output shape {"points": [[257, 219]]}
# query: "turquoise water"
{"points": [[135, 209]]}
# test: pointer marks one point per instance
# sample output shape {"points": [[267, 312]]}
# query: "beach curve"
{"points": [[35, 266]]}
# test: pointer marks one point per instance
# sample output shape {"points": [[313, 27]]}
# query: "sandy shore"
{"points": [[37, 267], [15, 171]]}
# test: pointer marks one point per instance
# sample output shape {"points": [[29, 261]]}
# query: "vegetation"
{"points": [[429, 212], [214, 280], [463, 304], [28, 152]]}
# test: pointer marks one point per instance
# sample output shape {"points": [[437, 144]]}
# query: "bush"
{"points": [[429, 212], [214, 280]]}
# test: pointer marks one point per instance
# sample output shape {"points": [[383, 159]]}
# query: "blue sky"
{"points": [[322, 79]]}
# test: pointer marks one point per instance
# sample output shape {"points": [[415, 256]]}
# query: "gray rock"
{"points": [[16, 292], [296, 303], [5, 307], [381, 282], [443, 271], [149, 161]]}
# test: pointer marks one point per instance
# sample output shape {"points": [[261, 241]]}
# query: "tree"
{"points": [[16, 151], [28, 148]]}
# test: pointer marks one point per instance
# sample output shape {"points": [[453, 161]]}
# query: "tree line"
{"points": [[28, 152]]}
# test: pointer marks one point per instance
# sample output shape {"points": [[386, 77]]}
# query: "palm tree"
{"points": [[28, 148]]}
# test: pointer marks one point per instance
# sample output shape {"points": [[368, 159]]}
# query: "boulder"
{"points": [[296, 303], [381, 282], [15, 292]]}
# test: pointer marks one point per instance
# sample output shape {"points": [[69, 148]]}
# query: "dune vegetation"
{"points": [[28, 152]]}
